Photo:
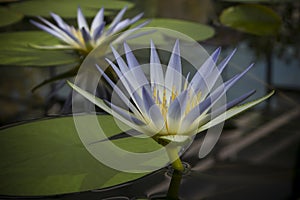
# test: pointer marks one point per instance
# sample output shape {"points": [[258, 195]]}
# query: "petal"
{"points": [[81, 20], [86, 36], [176, 111], [128, 74], [204, 106], [100, 103], [136, 18], [135, 68], [129, 34], [178, 139], [173, 79], [97, 33], [125, 114], [58, 46], [54, 30], [156, 72], [98, 20], [233, 111], [215, 75], [95, 100], [122, 96], [60, 22], [116, 21], [211, 138], [49, 30], [233, 103], [152, 110], [198, 81], [121, 25]]}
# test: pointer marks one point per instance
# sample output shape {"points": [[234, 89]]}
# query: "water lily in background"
{"points": [[168, 107], [86, 38]]}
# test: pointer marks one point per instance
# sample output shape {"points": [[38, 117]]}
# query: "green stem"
{"points": [[174, 158], [173, 191]]}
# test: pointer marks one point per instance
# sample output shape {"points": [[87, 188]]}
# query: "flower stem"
{"points": [[174, 158], [173, 191]]}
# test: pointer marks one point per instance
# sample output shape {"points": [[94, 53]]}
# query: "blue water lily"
{"points": [[169, 107], [85, 37]]}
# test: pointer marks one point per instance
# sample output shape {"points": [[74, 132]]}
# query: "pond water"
{"points": [[257, 156]]}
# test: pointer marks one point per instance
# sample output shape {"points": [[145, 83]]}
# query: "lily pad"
{"points": [[252, 18], [67, 8], [194, 30], [46, 157], [8, 17], [15, 49]]}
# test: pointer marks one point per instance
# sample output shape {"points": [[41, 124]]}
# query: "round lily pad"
{"points": [[194, 30], [252, 18], [46, 157], [8, 17], [16, 49], [67, 8]]}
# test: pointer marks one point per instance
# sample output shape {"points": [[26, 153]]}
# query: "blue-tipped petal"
{"points": [[233, 80], [97, 33], [152, 109], [173, 76], [47, 29], [98, 20], [176, 111], [81, 21], [215, 75], [125, 114], [60, 22], [129, 34], [233, 103], [136, 18], [224, 62], [121, 63], [204, 106], [135, 67], [63, 36], [86, 36], [120, 26], [116, 20], [199, 82], [116, 89], [156, 72]]}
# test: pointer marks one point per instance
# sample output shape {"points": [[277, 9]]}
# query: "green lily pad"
{"points": [[46, 157], [252, 18], [8, 17], [15, 49], [194, 30], [67, 8]]}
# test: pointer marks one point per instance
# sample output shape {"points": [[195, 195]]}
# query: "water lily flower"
{"points": [[169, 107], [86, 38]]}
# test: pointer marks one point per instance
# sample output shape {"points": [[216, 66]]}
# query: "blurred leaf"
{"points": [[67, 8], [8, 17], [47, 157], [15, 49], [194, 30], [252, 18]]}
